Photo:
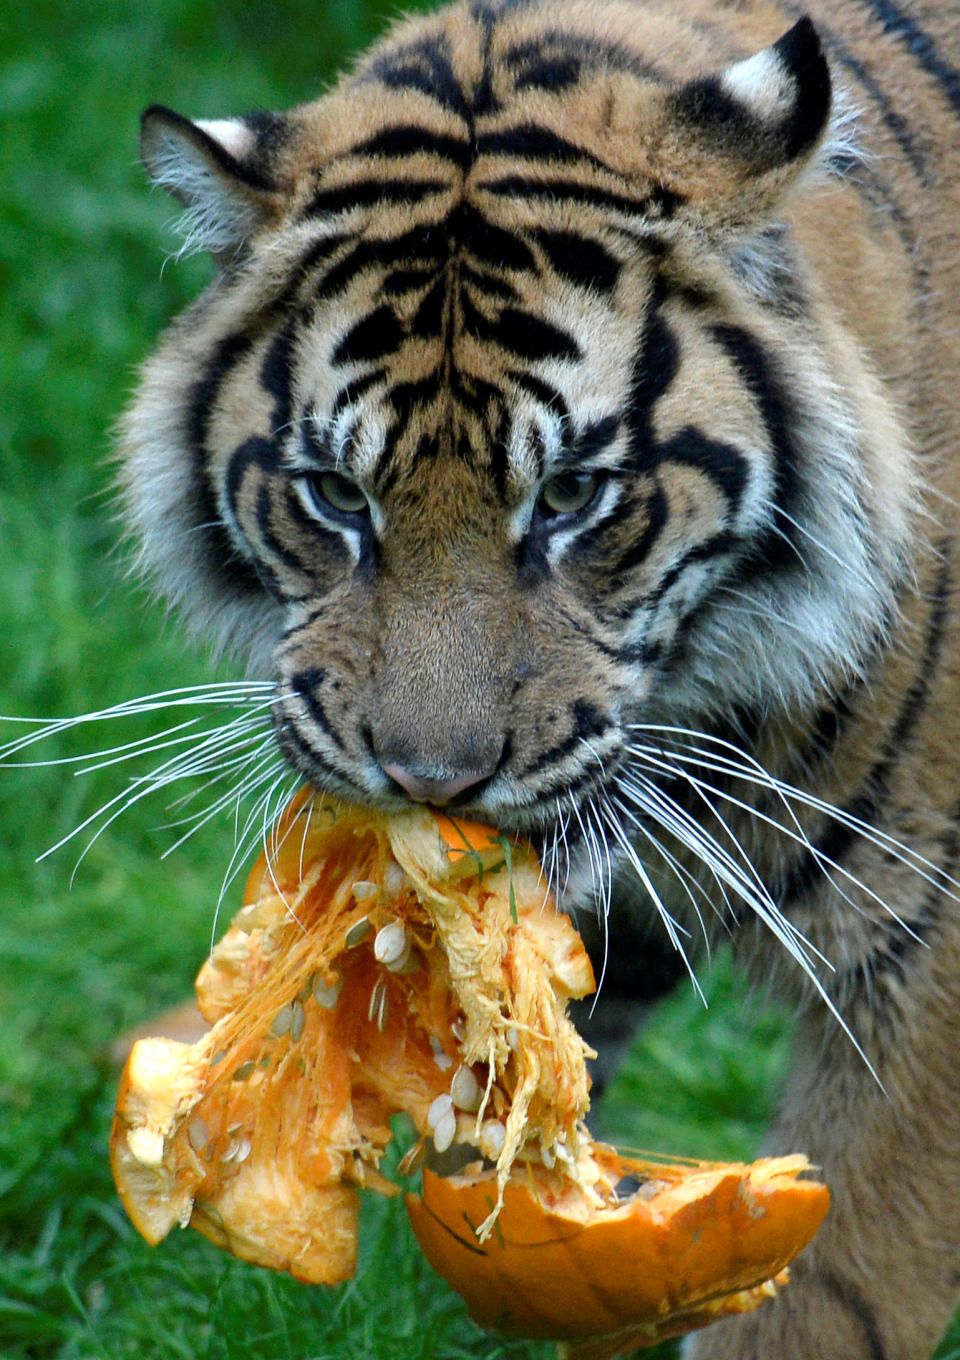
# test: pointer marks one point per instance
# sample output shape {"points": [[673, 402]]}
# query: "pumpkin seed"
{"points": [[358, 932], [465, 1090], [445, 1131], [393, 877], [379, 1008], [392, 946], [298, 1019], [282, 1021], [492, 1138], [439, 1108], [327, 994]]}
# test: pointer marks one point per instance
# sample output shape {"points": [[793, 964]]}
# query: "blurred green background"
{"points": [[83, 293]]}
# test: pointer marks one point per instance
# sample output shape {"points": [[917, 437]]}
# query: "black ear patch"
{"points": [[801, 54], [767, 110]]}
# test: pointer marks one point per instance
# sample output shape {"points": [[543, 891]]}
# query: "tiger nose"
{"points": [[424, 789]]}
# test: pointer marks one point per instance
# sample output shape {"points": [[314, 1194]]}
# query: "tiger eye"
{"points": [[335, 491], [568, 492]]}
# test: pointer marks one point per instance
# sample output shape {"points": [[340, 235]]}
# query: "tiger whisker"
{"points": [[234, 794], [673, 928], [208, 695], [759, 900], [751, 771], [690, 884]]}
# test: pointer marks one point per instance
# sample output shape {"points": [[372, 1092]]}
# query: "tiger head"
{"points": [[512, 417]]}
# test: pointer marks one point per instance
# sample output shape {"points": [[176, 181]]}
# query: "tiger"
{"points": [[567, 438]]}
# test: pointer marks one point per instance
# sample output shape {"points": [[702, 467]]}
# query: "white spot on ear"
{"points": [[232, 134], [762, 84]]}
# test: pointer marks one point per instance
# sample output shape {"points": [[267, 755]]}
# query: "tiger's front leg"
{"points": [[880, 1280]]}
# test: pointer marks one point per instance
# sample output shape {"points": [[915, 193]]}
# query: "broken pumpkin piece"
{"points": [[417, 963], [685, 1244], [376, 965]]}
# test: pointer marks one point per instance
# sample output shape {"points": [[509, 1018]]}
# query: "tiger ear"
{"points": [[741, 137], [217, 170]]}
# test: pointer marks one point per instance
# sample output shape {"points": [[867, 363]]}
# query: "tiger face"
{"points": [[506, 424]]}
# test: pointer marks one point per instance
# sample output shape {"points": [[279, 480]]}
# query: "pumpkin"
{"points": [[416, 963], [377, 964], [678, 1246]]}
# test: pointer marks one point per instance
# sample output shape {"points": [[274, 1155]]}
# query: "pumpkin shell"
{"points": [[694, 1242]]}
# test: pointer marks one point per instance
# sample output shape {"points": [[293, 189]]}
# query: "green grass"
{"points": [[82, 241]]}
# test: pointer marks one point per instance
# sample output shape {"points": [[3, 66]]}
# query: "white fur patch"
{"points": [[762, 84], [219, 214]]}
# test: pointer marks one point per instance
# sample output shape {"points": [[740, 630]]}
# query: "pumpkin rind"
{"points": [[691, 1235]]}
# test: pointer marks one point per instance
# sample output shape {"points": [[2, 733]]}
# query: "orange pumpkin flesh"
{"points": [[416, 963]]}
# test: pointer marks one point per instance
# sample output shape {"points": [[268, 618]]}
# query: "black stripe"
{"points": [[580, 259], [488, 285], [921, 45], [422, 249], [373, 336], [755, 368], [542, 392], [355, 389], [850, 1298], [518, 332], [721, 462], [875, 789], [549, 73], [334, 543], [423, 66], [231, 570], [654, 517], [718, 545], [597, 436], [897, 125], [654, 369], [305, 684], [407, 399], [367, 193], [410, 139], [400, 282], [658, 201], [427, 321], [535, 142], [268, 538], [563, 45], [487, 243], [275, 371], [588, 721]]}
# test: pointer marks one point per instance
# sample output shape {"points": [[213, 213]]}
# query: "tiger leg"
{"points": [[880, 1280]]}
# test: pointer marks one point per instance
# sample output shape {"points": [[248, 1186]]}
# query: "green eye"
{"points": [[332, 491], [568, 492]]}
